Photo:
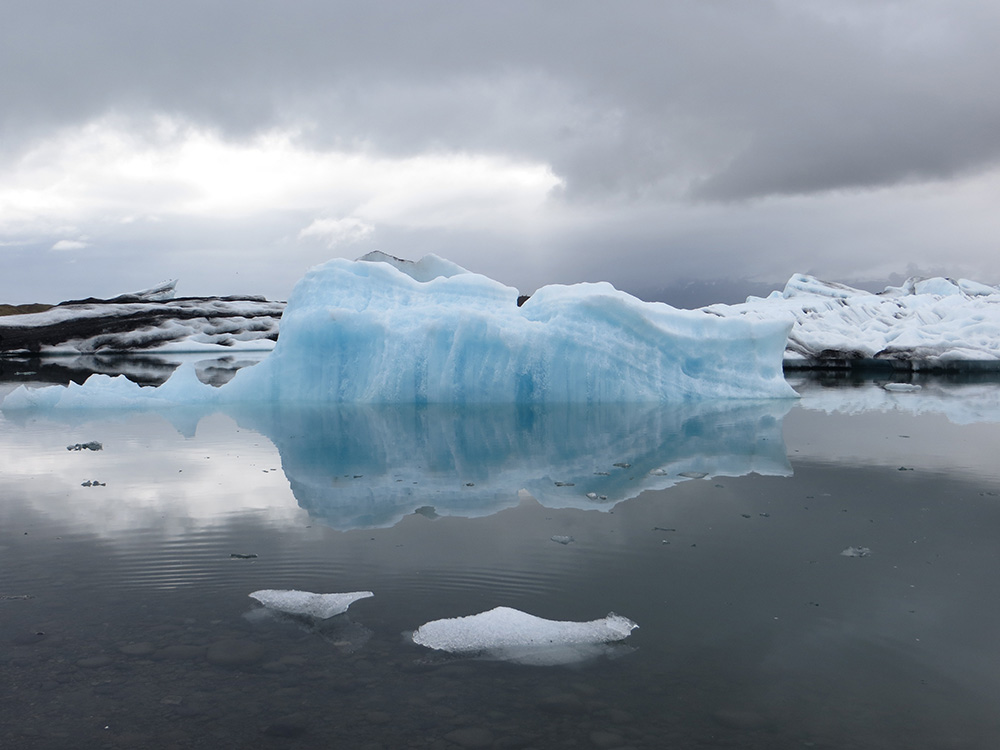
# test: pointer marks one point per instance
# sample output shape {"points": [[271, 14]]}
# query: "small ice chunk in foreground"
{"points": [[511, 635], [856, 552], [321, 606]]}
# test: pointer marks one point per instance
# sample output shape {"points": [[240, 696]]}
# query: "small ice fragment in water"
{"points": [[658, 473], [693, 474], [562, 539], [93, 445], [511, 635], [565, 484], [242, 556], [623, 465], [902, 387], [856, 552], [321, 606], [592, 495]]}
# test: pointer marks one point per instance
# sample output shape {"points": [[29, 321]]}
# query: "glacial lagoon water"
{"points": [[125, 620]]}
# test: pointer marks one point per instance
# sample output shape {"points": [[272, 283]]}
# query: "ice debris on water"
{"points": [[901, 387], [511, 635], [93, 445], [562, 539], [320, 606], [93, 483], [856, 552]]}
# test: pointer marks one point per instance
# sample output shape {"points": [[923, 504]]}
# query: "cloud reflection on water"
{"points": [[365, 467]]}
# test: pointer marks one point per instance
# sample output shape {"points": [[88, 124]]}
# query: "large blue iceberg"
{"points": [[377, 332], [368, 332]]}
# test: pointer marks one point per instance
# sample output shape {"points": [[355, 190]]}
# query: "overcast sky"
{"points": [[233, 144]]}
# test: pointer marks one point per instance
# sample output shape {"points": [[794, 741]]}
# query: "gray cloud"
{"points": [[674, 126], [735, 100]]}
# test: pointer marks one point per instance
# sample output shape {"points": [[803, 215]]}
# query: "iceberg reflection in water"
{"points": [[366, 466]]}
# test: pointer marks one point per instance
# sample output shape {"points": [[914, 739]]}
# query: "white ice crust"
{"points": [[368, 332], [929, 322], [320, 606], [511, 635]]}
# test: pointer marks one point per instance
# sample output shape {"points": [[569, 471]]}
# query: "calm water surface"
{"points": [[125, 620]]}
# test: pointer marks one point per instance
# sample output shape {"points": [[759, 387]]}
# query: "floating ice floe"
{"points": [[320, 606], [924, 323], [856, 552], [507, 634]]}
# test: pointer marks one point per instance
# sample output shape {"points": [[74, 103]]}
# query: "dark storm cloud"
{"points": [[716, 100]]}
